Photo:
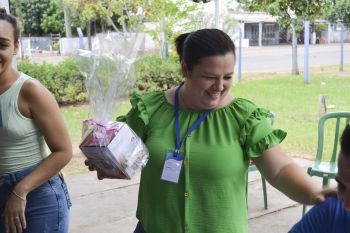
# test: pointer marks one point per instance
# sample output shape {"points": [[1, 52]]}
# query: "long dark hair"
{"points": [[11, 20], [191, 47]]}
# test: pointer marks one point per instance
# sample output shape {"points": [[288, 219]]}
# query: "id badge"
{"points": [[172, 167]]}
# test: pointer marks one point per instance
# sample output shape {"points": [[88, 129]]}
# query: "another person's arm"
{"points": [[288, 177], [36, 102]]}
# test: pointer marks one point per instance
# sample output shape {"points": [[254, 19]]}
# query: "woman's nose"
{"points": [[219, 85]]}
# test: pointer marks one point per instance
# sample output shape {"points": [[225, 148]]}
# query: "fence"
{"points": [[64, 46]]}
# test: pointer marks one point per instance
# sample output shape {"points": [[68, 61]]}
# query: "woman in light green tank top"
{"points": [[29, 117]]}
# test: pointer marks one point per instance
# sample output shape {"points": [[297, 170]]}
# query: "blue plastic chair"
{"points": [[328, 169], [252, 167]]}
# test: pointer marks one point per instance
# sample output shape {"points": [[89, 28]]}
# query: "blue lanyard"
{"points": [[177, 122]]}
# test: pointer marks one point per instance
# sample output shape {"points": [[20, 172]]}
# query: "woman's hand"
{"points": [[14, 216], [321, 196], [101, 175]]}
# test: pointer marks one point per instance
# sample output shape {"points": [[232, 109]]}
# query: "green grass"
{"points": [[75, 115], [295, 104]]}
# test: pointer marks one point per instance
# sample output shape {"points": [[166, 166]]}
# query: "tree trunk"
{"points": [[67, 22], [295, 69], [113, 25], [95, 27], [89, 34], [103, 25]]}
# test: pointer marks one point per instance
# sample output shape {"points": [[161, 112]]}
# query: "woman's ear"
{"points": [[184, 70]]}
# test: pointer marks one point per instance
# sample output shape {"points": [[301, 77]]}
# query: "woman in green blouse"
{"points": [[201, 139]]}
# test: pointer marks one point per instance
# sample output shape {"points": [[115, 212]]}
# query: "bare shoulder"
{"points": [[32, 90]]}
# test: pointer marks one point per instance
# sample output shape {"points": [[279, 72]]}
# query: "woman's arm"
{"points": [[289, 178], [38, 103]]}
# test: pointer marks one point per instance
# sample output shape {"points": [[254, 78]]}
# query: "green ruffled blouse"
{"points": [[211, 193]]}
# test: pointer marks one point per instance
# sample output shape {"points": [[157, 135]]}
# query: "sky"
{"points": [[4, 3]]}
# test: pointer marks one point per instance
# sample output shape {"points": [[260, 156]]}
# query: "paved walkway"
{"points": [[110, 205]]}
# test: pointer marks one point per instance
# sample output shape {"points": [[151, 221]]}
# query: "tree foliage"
{"points": [[52, 21], [168, 16], [40, 17], [288, 11], [31, 13], [339, 11], [106, 12], [44, 16]]}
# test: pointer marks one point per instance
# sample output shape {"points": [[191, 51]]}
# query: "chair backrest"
{"points": [[340, 118]]}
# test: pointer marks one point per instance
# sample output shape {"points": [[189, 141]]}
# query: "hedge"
{"points": [[63, 79], [67, 84], [156, 73]]}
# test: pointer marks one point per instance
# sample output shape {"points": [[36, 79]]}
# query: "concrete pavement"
{"points": [[277, 58], [110, 205]]}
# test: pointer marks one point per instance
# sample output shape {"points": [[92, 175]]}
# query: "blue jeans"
{"points": [[139, 228], [47, 209]]}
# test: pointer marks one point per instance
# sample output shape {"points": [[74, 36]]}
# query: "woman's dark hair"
{"points": [[191, 47], [11, 20], [345, 141]]}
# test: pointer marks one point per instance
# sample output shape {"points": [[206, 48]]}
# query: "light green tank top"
{"points": [[21, 142]]}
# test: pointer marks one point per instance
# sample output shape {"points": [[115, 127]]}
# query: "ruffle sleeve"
{"points": [[142, 108], [257, 134]]}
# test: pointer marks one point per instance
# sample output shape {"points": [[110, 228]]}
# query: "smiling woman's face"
{"points": [[8, 47], [208, 84]]}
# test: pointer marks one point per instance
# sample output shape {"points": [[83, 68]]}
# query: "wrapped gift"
{"points": [[113, 149]]}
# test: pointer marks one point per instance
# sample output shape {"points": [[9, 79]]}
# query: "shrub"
{"points": [[156, 73], [63, 79], [66, 83]]}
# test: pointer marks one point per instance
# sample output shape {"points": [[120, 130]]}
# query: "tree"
{"points": [[102, 12], [67, 19], [339, 11], [169, 18], [52, 19], [289, 14], [30, 12]]}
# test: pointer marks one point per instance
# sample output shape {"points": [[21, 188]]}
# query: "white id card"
{"points": [[172, 167]]}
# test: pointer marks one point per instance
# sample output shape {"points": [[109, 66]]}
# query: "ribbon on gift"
{"points": [[103, 132]]}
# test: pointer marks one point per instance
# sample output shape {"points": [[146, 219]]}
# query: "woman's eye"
{"points": [[228, 77], [209, 77], [3, 45]]}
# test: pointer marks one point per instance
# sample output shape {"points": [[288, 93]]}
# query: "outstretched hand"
{"points": [[321, 196]]}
